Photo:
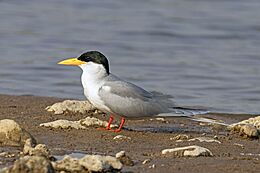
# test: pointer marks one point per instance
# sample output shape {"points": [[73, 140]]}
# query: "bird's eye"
{"points": [[85, 58]]}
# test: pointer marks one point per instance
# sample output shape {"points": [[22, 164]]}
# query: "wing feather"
{"points": [[128, 100]]}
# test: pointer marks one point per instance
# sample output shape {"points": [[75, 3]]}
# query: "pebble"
{"points": [[193, 151], [121, 137]]}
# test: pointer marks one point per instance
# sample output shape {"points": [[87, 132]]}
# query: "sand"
{"points": [[143, 142]]}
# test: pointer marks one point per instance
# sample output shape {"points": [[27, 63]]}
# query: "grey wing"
{"points": [[128, 100]]}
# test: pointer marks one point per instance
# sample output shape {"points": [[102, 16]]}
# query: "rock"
{"points": [[121, 137], [146, 161], [7, 154], [160, 119], [30, 164], [180, 137], [38, 150], [92, 121], [63, 124], [239, 145], [75, 106], [11, 134], [124, 159], [81, 124], [193, 151], [98, 163], [247, 128], [205, 139], [152, 166], [89, 163], [68, 164]]}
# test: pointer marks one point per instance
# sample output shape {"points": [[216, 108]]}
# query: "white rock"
{"points": [[121, 137], [188, 151], [146, 161], [205, 139], [152, 166], [120, 154], [63, 124], [180, 137], [92, 121], [249, 127], [38, 150], [70, 106], [12, 134], [254, 121], [81, 124], [68, 164], [89, 163], [98, 163]]}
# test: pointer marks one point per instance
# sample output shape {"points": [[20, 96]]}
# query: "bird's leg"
{"points": [[109, 122], [121, 125]]}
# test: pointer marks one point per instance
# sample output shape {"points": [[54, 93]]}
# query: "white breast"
{"points": [[92, 81]]}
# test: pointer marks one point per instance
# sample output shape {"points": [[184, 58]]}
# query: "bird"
{"points": [[117, 97]]}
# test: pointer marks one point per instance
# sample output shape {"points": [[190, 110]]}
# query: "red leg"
{"points": [[121, 125], [109, 122]]}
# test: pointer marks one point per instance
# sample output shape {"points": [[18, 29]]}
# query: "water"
{"points": [[204, 53]]}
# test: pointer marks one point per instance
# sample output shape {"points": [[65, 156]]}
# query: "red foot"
{"points": [[110, 122]]}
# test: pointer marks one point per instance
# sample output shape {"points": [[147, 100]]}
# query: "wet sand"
{"points": [[148, 139]]}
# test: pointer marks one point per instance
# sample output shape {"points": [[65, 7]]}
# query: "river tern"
{"points": [[118, 97]]}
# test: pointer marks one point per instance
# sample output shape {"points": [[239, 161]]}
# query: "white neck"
{"points": [[93, 74]]}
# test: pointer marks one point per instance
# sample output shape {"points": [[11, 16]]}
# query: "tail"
{"points": [[189, 113]]}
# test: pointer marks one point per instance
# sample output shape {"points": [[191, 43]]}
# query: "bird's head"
{"points": [[87, 60]]}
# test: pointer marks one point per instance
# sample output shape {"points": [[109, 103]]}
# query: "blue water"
{"points": [[204, 53]]}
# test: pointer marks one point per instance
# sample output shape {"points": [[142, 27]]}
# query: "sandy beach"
{"points": [[145, 139]]}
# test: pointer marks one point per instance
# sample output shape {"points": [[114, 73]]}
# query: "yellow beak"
{"points": [[72, 61]]}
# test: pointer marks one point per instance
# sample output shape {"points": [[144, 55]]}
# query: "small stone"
{"points": [[152, 166], [239, 145], [205, 139], [121, 137], [75, 106], [160, 119], [30, 164], [11, 134], [146, 161], [180, 137], [193, 151], [7, 154]]}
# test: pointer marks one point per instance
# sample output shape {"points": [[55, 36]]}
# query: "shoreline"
{"points": [[147, 138]]}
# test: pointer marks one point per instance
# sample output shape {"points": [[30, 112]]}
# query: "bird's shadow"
{"points": [[167, 129]]}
